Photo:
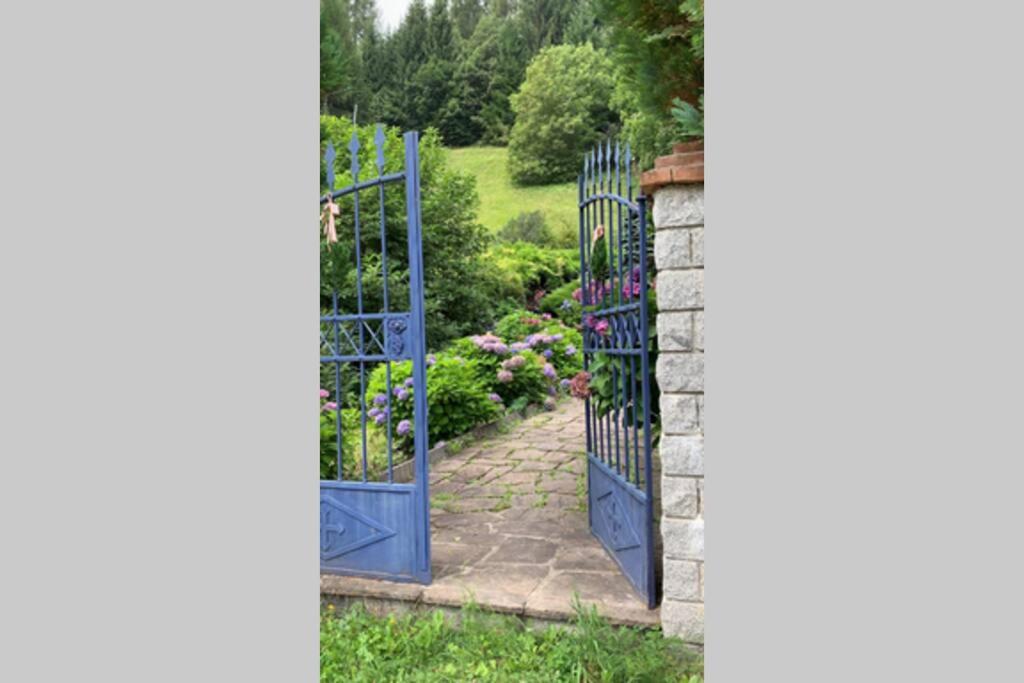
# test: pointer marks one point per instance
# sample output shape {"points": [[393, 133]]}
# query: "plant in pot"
{"points": [[689, 122]]}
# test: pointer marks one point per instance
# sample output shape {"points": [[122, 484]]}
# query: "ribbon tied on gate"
{"points": [[327, 216]]}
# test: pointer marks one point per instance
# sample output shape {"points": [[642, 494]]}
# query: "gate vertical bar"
{"points": [[583, 301], [418, 329], [646, 382]]}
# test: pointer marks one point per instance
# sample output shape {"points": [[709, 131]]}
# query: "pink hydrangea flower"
{"points": [[504, 376], [324, 393]]}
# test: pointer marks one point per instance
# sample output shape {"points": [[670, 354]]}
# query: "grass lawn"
{"points": [[356, 647], [500, 200]]}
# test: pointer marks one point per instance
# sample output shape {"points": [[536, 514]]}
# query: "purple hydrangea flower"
{"points": [[395, 390], [403, 427], [549, 371], [557, 337], [548, 353], [505, 376], [402, 394], [565, 383], [380, 399], [374, 412], [431, 359], [408, 382], [381, 418], [495, 398], [570, 350], [552, 390]]}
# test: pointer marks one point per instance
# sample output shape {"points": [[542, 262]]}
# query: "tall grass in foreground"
{"points": [[358, 647]]}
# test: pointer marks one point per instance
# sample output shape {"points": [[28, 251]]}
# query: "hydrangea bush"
{"points": [[351, 433], [457, 400]]}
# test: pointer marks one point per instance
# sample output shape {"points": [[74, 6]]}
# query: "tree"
{"points": [[584, 25], [561, 109], [343, 64], [654, 43], [334, 65], [466, 15], [543, 22], [658, 50]]}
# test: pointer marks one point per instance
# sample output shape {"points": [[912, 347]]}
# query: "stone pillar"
{"points": [[677, 186]]}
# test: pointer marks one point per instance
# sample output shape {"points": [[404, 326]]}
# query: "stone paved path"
{"points": [[509, 528]]}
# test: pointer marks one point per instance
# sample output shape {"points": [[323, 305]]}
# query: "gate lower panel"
{"points": [[618, 518], [371, 530]]}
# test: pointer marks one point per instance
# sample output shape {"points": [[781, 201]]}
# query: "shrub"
{"points": [[457, 399], [519, 270], [562, 108], [352, 461], [556, 343], [562, 304], [527, 227], [517, 325], [516, 377]]}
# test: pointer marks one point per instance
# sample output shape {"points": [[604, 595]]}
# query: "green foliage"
{"points": [[528, 226], [456, 399], [453, 241], [561, 304], [357, 647], [335, 68], [561, 109], [649, 134], [658, 49], [454, 65], [352, 462], [585, 25], [689, 119], [518, 325], [654, 44], [521, 269]]}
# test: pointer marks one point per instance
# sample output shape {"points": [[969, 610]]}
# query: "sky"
{"points": [[391, 13]]}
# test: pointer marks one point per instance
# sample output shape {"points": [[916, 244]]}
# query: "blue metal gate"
{"points": [[372, 523], [616, 344]]}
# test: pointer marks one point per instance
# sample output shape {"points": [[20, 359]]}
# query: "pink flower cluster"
{"points": [[329, 405], [597, 291], [490, 343], [599, 325], [631, 288], [513, 363]]}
